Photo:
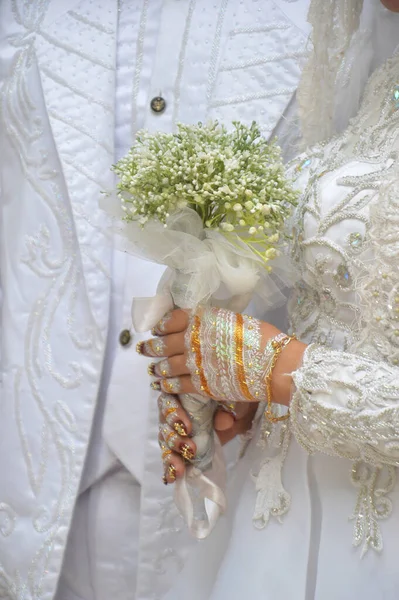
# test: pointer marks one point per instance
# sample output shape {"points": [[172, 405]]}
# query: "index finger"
{"points": [[174, 322]]}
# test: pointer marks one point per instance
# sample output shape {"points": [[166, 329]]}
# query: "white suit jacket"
{"points": [[223, 59]]}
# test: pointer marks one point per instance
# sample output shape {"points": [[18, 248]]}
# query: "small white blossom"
{"points": [[271, 253], [227, 226], [273, 238], [230, 178]]}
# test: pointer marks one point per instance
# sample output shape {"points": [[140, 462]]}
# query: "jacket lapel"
{"points": [[76, 56], [56, 149]]}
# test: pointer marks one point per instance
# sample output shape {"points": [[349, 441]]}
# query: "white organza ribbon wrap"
{"points": [[204, 268]]}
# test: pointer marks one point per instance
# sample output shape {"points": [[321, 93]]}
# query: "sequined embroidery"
{"points": [[347, 298]]}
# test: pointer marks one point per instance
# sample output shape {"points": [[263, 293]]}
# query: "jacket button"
{"points": [[158, 104], [125, 337]]}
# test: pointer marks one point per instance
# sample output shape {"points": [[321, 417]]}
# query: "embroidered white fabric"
{"points": [[350, 39], [347, 405], [345, 306]]}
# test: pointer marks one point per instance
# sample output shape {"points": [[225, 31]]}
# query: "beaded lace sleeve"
{"points": [[347, 405]]}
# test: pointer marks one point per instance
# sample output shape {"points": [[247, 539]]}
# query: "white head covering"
{"points": [[350, 39]]}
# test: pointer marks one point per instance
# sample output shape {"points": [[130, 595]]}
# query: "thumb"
{"points": [[227, 427]]}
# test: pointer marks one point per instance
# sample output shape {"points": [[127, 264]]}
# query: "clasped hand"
{"points": [[221, 355]]}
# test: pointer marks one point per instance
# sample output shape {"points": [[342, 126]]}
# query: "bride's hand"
{"points": [[219, 354], [175, 429]]}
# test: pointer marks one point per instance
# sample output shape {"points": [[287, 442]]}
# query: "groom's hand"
{"points": [[228, 427], [175, 428]]}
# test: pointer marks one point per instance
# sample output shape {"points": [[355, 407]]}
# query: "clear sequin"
{"points": [[356, 240], [343, 277]]}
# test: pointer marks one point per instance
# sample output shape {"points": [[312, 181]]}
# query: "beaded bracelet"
{"points": [[278, 344]]}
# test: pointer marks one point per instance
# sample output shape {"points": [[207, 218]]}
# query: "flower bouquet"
{"points": [[211, 204]]}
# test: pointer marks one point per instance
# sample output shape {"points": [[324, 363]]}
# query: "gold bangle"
{"points": [[278, 347], [196, 348]]}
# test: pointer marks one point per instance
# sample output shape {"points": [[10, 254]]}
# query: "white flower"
{"points": [[271, 253], [227, 226], [274, 238], [201, 166]]}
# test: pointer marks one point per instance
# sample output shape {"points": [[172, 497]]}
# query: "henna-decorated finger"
{"points": [[168, 345], [184, 446], [173, 463], [174, 366], [173, 322], [172, 412]]}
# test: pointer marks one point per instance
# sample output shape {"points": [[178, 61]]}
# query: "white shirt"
{"points": [[153, 66]]}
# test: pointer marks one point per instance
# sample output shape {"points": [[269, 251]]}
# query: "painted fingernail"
{"points": [[171, 473], [154, 347], [186, 452], [180, 428], [155, 385], [164, 480], [151, 369]]}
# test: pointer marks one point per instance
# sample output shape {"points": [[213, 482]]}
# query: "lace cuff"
{"points": [[347, 405]]}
